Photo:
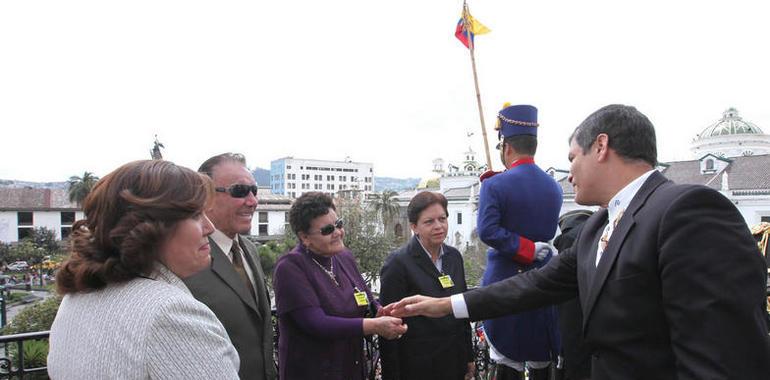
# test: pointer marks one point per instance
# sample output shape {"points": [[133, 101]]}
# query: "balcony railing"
{"points": [[15, 360]]}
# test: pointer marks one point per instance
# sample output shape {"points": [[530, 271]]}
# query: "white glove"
{"points": [[542, 250]]}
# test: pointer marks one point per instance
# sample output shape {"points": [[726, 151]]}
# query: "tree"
{"points": [[271, 251], [45, 238], [363, 237], [5, 251], [475, 260], [26, 250], [385, 205], [79, 187]]}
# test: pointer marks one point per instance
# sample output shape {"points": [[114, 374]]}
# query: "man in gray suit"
{"points": [[234, 286]]}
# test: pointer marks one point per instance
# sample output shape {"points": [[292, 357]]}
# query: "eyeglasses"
{"points": [[329, 228], [238, 190], [499, 145]]}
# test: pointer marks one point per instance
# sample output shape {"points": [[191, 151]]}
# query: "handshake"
{"points": [[439, 307], [385, 325]]}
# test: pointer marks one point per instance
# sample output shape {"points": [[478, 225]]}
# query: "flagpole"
{"points": [[471, 48]]}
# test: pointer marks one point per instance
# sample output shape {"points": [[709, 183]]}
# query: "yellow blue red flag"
{"points": [[467, 27]]}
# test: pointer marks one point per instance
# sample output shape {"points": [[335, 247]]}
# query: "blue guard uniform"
{"points": [[517, 208]]}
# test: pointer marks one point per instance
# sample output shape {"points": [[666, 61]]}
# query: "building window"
{"points": [[288, 166], [709, 164], [263, 230], [398, 230], [330, 178], [459, 218], [318, 177], [766, 219], [317, 186], [306, 177], [343, 178], [25, 218], [67, 219], [25, 224], [25, 232]]}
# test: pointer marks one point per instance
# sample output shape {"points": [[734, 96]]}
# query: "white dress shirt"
{"points": [[439, 263], [618, 204], [225, 244]]}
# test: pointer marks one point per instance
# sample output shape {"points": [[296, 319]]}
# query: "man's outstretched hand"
{"points": [[420, 305]]}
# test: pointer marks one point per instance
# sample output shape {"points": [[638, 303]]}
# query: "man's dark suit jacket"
{"points": [[431, 348], [678, 293], [248, 324]]}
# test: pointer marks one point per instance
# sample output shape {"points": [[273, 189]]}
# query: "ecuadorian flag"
{"points": [[475, 28]]}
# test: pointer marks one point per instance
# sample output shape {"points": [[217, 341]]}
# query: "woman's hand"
{"points": [[386, 327]]}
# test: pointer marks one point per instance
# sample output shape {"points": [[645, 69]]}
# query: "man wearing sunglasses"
{"points": [[234, 286]]}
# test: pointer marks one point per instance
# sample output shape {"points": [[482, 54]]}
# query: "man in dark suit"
{"points": [[668, 277], [234, 286]]}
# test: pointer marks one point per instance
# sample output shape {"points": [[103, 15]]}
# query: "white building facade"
{"points": [[271, 218], [24, 209], [295, 176]]}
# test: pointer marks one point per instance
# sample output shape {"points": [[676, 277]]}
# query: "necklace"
{"points": [[329, 272]]}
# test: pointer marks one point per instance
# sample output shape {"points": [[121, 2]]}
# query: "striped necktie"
{"points": [[237, 256]]}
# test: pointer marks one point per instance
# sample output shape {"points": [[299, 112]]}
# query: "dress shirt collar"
{"points": [[440, 261], [223, 242], [623, 198]]}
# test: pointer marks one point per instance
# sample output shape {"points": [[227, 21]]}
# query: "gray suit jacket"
{"points": [[247, 321]]}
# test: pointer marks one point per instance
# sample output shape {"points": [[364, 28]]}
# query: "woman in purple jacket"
{"points": [[322, 299]]}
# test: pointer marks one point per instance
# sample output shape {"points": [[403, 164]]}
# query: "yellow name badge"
{"points": [[446, 281], [361, 298]]}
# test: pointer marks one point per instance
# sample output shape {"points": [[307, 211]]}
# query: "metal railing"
{"points": [[13, 356]]}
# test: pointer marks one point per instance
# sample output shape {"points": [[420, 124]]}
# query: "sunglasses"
{"points": [[499, 145], [329, 228], [238, 190]]}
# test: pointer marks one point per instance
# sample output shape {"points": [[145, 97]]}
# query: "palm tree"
{"points": [[386, 206], [79, 187]]}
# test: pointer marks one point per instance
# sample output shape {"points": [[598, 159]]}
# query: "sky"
{"points": [[86, 85]]}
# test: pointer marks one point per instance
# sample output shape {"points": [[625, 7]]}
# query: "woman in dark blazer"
{"points": [[432, 348]]}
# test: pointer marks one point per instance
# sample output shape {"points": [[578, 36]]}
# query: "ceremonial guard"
{"points": [[517, 208]]}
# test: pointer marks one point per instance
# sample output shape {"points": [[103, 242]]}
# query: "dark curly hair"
{"points": [[308, 207], [128, 214]]}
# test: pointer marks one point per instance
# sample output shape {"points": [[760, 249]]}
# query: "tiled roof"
{"points": [[12, 199]]}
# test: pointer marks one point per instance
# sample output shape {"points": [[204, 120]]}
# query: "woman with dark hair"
{"points": [[434, 348], [322, 299], [126, 313]]}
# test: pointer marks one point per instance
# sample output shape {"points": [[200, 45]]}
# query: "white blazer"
{"points": [[146, 328]]}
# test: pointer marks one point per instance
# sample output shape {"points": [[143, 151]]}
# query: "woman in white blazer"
{"points": [[126, 313]]}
